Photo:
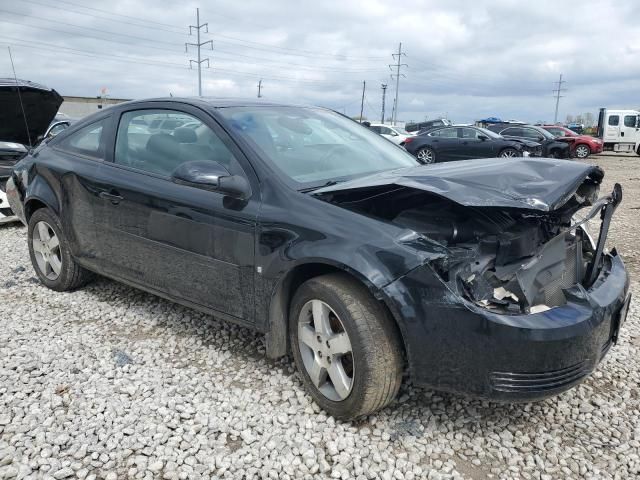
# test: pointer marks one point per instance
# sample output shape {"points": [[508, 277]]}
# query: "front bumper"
{"points": [[454, 345]]}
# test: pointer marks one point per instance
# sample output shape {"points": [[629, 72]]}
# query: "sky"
{"points": [[464, 59]]}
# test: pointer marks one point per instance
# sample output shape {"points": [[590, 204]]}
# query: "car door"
{"points": [[629, 127], [445, 143], [612, 129], [191, 244], [473, 147]]}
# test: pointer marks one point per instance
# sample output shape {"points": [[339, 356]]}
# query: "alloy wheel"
{"points": [[582, 151], [426, 155], [509, 152], [46, 249], [326, 350]]}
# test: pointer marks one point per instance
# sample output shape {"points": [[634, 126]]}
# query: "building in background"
{"points": [[78, 107]]}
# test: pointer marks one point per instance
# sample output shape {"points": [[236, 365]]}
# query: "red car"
{"points": [[581, 145]]}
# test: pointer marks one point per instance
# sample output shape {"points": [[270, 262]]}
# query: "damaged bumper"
{"points": [[455, 345]]}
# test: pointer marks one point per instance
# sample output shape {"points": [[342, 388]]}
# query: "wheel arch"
{"points": [[277, 344], [40, 195]]}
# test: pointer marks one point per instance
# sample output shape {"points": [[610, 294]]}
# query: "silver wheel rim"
{"points": [[508, 153], [582, 151], [326, 352], [46, 250], [425, 155]]}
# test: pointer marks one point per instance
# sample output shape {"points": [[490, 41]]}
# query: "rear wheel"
{"points": [[582, 151], [509, 152], [50, 254], [426, 155], [345, 346]]}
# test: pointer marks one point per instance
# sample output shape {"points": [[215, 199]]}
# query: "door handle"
{"points": [[112, 197]]}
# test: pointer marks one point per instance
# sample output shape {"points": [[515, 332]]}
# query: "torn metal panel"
{"points": [[532, 184]]}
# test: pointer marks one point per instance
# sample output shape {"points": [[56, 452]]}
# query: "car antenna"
{"points": [[24, 115]]}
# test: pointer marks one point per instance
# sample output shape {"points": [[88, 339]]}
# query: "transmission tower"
{"points": [[397, 75], [384, 95], [198, 45], [558, 96]]}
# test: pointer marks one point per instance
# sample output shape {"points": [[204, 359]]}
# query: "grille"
{"points": [[515, 382]]}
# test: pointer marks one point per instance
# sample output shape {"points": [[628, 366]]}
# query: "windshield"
{"points": [[489, 133], [313, 146], [544, 133]]}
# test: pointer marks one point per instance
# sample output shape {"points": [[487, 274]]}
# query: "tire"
{"points": [[582, 151], [50, 254], [426, 156], [372, 369], [509, 153]]}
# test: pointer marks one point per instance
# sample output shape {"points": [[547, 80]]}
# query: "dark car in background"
{"points": [[427, 125], [445, 144], [551, 147], [581, 145], [27, 110], [337, 245]]}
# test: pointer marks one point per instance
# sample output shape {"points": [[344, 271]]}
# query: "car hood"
{"points": [[531, 184], [40, 107]]}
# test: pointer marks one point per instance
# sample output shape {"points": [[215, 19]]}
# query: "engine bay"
{"points": [[506, 259]]}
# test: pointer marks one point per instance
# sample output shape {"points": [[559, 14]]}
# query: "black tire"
{"points": [[426, 155], [71, 275], [582, 151], [509, 153], [376, 347]]}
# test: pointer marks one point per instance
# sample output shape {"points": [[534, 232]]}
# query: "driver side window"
{"points": [[159, 141]]}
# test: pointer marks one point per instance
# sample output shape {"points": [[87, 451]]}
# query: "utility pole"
{"points": [[198, 45], [260, 88], [364, 86], [384, 95], [397, 75], [558, 96]]}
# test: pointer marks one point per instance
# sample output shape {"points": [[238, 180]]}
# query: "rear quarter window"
{"points": [[88, 141]]}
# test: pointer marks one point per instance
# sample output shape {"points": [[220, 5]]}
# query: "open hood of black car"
{"points": [[40, 107], [526, 183]]}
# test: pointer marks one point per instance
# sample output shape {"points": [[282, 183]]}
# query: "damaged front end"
{"points": [[527, 261], [515, 254]]}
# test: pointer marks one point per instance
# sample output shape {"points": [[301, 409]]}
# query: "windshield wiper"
{"points": [[330, 183]]}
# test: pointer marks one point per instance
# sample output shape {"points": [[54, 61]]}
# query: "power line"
{"points": [[558, 96], [197, 27], [397, 75]]}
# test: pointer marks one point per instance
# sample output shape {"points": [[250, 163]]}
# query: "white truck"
{"points": [[619, 130]]}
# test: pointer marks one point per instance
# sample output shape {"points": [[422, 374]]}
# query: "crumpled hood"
{"points": [[523, 183], [40, 107]]}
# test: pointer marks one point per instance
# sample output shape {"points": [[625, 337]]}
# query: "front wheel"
{"points": [[509, 152], [345, 346], [583, 151], [426, 155]]}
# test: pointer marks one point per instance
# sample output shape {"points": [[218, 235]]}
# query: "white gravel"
{"points": [[111, 383]]}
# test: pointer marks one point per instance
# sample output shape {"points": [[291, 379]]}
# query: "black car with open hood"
{"points": [[482, 276], [26, 111]]}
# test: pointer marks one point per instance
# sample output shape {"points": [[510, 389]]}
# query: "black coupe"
{"points": [[336, 244]]}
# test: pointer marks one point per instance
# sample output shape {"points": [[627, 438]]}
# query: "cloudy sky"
{"points": [[466, 59]]}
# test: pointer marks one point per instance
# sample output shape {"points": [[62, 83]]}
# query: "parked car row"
{"points": [[439, 141]]}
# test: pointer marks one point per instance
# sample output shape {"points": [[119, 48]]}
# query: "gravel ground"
{"points": [[111, 383]]}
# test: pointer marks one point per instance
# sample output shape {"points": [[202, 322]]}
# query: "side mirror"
{"points": [[483, 137], [540, 138], [394, 134], [212, 176]]}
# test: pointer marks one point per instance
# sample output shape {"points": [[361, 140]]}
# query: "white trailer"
{"points": [[619, 130]]}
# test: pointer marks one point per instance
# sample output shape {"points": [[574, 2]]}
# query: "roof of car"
{"points": [[219, 102]]}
